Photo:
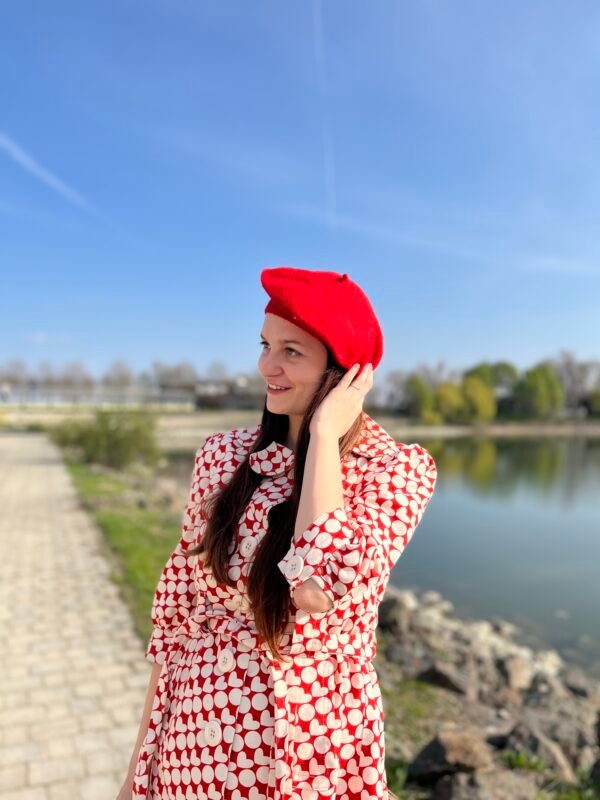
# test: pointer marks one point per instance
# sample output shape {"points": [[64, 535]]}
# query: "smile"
{"points": [[273, 389]]}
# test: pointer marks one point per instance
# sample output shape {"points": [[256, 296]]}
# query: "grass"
{"points": [[518, 759], [138, 540]]}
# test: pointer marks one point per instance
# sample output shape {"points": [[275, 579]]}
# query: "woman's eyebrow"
{"points": [[285, 341]]}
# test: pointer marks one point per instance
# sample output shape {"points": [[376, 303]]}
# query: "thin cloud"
{"points": [[27, 163], [394, 235], [555, 265], [245, 158], [43, 338]]}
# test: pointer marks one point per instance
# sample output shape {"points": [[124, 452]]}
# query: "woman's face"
{"points": [[293, 358]]}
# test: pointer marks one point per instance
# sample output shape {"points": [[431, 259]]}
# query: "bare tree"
{"points": [[118, 376], [440, 373], [76, 381], [217, 371], [15, 373], [575, 376], [179, 376], [48, 378], [393, 387]]}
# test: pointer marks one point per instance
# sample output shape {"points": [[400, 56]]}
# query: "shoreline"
{"points": [[176, 427], [466, 705]]}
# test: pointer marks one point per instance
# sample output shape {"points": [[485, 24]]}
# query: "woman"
{"points": [[265, 614]]}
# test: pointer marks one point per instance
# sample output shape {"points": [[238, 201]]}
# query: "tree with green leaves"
{"points": [[449, 402], [539, 392], [479, 399], [419, 396]]}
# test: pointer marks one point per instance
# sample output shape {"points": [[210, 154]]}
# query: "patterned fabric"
{"points": [[229, 721]]}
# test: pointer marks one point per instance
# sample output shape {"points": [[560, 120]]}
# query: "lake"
{"points": [[512, 532]]}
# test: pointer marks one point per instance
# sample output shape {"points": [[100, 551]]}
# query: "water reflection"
{"points": [[513, 531], [564, 469]]}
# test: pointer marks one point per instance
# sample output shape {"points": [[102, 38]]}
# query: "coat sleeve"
{"points": [[175, 595], [362, 540]]}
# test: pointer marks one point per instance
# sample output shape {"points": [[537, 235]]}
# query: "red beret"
{"points": [[329, 306]]}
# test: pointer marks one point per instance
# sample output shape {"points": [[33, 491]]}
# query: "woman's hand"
{"points": [[344, 403]]}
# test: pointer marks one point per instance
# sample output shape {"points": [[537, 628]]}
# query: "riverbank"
{"points": [[470, 713], [181, 431]]}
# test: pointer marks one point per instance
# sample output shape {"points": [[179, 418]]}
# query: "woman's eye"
{"points": [[289, 349]]}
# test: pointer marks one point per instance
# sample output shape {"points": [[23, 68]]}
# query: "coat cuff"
{"points": [[328, 551]]}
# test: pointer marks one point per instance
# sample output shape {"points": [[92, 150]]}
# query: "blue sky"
{"points": [[155, 156]]}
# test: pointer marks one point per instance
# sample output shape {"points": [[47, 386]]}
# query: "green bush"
{"points": [[450, 403], [431, 417], [115, 439], [595, 403], [68, 433], [479, 399], [419, 396]]}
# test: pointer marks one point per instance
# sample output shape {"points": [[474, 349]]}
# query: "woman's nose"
{"points": [[270, 364]]}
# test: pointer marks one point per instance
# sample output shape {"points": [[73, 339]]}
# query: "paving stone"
{"points": [[13, 776], [51, 770], [29, 793], [73, 687]]}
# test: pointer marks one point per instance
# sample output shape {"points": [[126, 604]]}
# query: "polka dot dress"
{"points": [[228, 721]]}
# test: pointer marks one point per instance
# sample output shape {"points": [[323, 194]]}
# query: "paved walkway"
{"points": [[73, 674]]}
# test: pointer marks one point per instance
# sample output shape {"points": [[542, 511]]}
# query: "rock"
{"points": [[408, 599], [443, 674], [408, 657], [548, 662], [578, 683], [527, 737], [586, 757], [497, 784], [595, 773], [507, 698], [528, 701], [482, 629], [431, 598], [394, 617], [504, 628], [450, 751], [517, 671], [445, 607], [427, 619], [570, 723], [545, 690]]}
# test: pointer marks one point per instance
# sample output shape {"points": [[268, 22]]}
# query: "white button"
{"points": [[248, 546], [294, 566], [212, 732], [226, 660], [322, 784]]}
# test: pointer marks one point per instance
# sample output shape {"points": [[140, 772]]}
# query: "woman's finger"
{"points": [[362, 379], [350, 375]]}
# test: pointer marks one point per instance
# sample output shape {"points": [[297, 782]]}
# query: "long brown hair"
{"points": [[268, 590]]}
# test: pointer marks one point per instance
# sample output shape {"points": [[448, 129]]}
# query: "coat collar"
{"points": [[277, 459]]}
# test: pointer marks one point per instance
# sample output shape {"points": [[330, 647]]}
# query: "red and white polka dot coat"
{"points": [[229, 722]]}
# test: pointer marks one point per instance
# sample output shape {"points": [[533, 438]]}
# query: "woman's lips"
{"points": [[278, 391]]}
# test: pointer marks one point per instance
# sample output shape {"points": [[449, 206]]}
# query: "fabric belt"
{"points": [[229, 627]]}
